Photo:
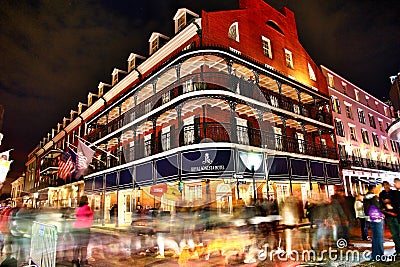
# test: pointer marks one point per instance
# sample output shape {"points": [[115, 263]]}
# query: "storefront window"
{"points": [[194, 192]]}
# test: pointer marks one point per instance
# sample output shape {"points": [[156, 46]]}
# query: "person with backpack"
{"points": [[375, 216]]}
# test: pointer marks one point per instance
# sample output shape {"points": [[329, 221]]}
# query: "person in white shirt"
{"points": [[360, 215]]}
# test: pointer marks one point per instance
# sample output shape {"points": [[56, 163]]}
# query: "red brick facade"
{"points": [[252, 21]]}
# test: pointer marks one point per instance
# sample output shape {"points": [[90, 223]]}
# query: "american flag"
{"points": [[84, 156], [65, 166]]}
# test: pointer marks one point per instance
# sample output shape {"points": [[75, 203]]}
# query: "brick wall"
{"points": [[252, 24]]}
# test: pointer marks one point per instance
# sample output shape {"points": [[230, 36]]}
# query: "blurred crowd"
{"points": [[72, 231], [200, 232]]}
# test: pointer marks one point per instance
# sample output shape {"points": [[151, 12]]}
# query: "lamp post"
{"points": [[254, 184], [252, 161]]}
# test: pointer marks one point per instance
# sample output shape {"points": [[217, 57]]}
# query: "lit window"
{"points": [[349, 113], [336, 105], [154, 45], [274, 101], [339, 128], [194, 192], [385, 144], [301, 142], [188, 130], [375, 138], [344, 87], [187, 86], [266, 43], [353, 135], [365, 137], [181, 22], [311, 72], [166, 97], [356, 94], [361, 116], [242, 131], [357, 152], [166, 138], [372, 121], [386, 111], [289, 59], [393, 145], [381, 125], [233, 32], [131, 153], [147, 145], [331, 82], [148, 107]]}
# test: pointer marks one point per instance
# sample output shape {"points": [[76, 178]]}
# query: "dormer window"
{"points": [[115, 76], [181, 22], [182, 17], [156, 41], [233, 32], [134, 60], [154, 46], [101, 88]]}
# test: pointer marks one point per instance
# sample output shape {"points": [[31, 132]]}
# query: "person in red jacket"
{"points": [[81, 232]]}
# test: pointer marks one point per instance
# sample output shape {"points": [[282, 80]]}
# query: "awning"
{"points": [[169, 192], [172, 193], [158, 190]]}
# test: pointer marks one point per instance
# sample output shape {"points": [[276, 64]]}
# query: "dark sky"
{"points": [[52, 53]]}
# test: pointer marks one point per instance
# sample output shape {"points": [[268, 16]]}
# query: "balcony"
{"points": [[354, 161], [211, 81], [219, 132]]}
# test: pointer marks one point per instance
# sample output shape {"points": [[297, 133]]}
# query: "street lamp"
{"points": [[252, 161]]}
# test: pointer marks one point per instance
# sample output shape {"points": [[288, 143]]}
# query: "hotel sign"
{"points": [[208, 160]]}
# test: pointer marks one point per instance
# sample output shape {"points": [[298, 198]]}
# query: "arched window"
{"points": [[275, 26], [233, 32]]}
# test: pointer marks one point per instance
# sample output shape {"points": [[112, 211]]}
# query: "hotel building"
{"points": [[229, 109]]}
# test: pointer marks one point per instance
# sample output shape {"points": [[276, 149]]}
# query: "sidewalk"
{"points": [[104, 256]]}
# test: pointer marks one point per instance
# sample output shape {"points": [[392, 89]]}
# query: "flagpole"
{"points": [[77, 153], [108, 153]]}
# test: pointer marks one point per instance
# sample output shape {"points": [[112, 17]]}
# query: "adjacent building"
{"points": [[367, 153], [230, 110]]}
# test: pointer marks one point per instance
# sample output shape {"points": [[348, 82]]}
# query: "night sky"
{"points": [[54, 52]]}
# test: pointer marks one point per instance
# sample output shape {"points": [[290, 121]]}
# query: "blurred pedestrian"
{"points": [[21, 229], [372, 209], [343, 222], [81, 232], [114, 213], [390, 206], [360, 215]]}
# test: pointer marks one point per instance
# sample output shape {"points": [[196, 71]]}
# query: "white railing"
{"points": [[43, 245]]}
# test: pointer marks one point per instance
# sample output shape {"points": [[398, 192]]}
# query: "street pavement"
{"points": [[111, 246]]}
